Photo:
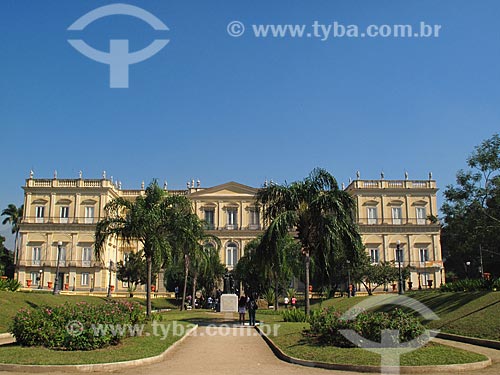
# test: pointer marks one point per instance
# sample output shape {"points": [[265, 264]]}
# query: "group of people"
{"points": [[247, 303], [293, 301]]}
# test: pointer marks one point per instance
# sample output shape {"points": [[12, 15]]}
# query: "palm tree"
{"points": [[148, 220], [321, 214], [14, 216]]}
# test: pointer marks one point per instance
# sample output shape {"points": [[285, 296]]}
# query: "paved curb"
{"points": [[96, 367], [470, 340], [376, 369], [5, 336]]}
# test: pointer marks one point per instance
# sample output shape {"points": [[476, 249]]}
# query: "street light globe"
{"points": [[468, 263], [59, 243], [398, 242]]}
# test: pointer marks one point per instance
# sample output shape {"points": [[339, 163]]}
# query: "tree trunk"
{"points": [[308, 261], [186, 272], [276, 290], [16, 256], [149, 262], [195, 278]]}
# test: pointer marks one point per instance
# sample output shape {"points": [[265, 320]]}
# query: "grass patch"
{"points": [[293, 343], [12, 302], [473, 314]]}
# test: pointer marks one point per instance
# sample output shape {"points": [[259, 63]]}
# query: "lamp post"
{"points": [[40, 281], [467, 264], [348, 278], [110, 275], [398, 254], [56, 281]]}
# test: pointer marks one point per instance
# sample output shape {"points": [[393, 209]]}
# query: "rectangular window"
{"points": [[39, 213], [421, 216], [232, 218], [35, 278], [231, 255], [210, 219], [85, 279], [64, 214], [424, 255], [374, 256], [399, 255], [254, 222], [62, 256], [89, 214], [372, 215], [86, 256], [37, 256], [397, 215]]}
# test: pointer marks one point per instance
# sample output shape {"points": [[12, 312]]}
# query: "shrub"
{"points": [[80, 326], [471, 285], [10, 285], [325, 326], [294, 315], [269, 296]]}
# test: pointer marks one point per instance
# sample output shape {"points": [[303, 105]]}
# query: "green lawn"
{"points": [[292, 342], [11, 302], [474, 314]]}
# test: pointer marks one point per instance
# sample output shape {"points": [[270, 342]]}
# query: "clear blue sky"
{"points": [[219, 108]]}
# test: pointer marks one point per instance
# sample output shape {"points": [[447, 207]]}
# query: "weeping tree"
{"points": [[186, 236], [206, 265], [249, 270], [149, 220], [320, 213], [275, 259]]}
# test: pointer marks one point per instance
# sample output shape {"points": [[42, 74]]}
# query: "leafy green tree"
{"points": [[6, 260], [321, 214], [472, 212], [13, 216], [150, 219], [132, 271]]}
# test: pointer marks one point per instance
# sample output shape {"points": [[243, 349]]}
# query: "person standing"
{"points": [[287, 301], [242, 309], [252, 308], [294, 302]]}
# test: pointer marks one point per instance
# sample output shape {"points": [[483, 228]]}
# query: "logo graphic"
{"points": [[390, 349], [118, 58], [74, 328]]}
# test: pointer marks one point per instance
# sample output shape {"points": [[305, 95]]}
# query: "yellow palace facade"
{"points": [[61, 214]]}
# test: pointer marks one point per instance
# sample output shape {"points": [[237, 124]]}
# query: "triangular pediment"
{"points": [[229, 189]]}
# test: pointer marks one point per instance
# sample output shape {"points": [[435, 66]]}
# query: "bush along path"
{"points": [[75, 326]]}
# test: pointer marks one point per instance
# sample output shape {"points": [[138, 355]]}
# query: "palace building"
{"points": [[60, 215]]}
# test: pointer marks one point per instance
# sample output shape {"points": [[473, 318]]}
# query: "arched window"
{"points": [[231, 254]]}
